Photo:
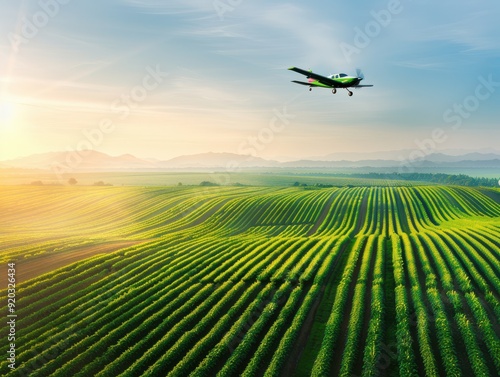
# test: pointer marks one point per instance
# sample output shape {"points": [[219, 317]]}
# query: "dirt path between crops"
{"points": [[404, 217], [205, 216], [323, 214], [367, 311], [362, 213], [492, 194], [33, 267], [336, 362], [305, 331], [412, 309], [307, 326], [36, 266], [209, 213]]}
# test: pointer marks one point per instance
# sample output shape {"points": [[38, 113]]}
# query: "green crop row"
{"points": [[238, 280]]}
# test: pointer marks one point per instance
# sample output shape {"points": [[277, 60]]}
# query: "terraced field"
{"points": [[253, 281]]}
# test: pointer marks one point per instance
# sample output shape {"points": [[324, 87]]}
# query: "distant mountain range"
{"points": [[98, 161], [402, 154]]}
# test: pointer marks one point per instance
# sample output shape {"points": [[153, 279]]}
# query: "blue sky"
{"points": [[161, 79]]}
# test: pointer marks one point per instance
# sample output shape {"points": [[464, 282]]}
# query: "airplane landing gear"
{"points": [[310, 89], [334, 90], [349, 92]]}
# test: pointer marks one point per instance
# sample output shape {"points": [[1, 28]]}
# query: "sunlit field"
{"points": [[247, 178], [264, 280]]}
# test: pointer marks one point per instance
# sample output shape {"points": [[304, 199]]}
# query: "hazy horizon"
{"points": [[162, 80], [352, 156]]}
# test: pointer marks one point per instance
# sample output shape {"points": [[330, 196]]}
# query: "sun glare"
{"points": [[7, 114]]}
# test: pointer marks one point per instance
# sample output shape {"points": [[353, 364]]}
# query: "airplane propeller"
{"points": [[360, 74]]}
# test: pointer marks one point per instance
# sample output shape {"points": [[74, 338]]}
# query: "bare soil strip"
{"points": [[358, 365], [336, 362], [402, 214], [412, 313], [362, 214], [388, 365], [33, 267], [323, 214], [305, 331]]}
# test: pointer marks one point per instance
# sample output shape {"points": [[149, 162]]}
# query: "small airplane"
{"points": [[338, 80]]}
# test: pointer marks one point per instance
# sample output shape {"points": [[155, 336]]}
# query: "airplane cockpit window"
{"points": [[343, 75]]}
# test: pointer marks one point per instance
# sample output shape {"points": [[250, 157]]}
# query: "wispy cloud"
{"points": [[466, 27], [172, 6], [313, 38], [467, 33], [423, 64]]}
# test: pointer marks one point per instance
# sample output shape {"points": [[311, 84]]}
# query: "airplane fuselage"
{"points": [[341, 82]]}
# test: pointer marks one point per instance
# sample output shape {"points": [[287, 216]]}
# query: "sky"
{"points": [[160, 79]]}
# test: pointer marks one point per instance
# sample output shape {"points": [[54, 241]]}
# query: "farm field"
{"points": [[253, 281], [279, 177]]}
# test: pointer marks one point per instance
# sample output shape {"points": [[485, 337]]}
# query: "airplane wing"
{"points": [[302, 82], [321, 79], [362, 86], [306, 83]]}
